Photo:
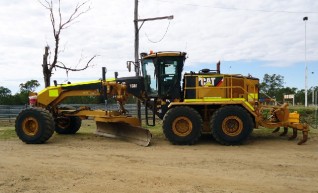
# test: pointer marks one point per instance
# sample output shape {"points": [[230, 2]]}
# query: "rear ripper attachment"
{"points": [[281, 117]]}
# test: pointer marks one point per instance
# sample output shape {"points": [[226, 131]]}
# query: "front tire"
{"points": [[34, 125], [231, 125], [182, 125]]}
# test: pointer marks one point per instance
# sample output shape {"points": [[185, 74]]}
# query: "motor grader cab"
{"points": [[162, 75], [224, 105]]}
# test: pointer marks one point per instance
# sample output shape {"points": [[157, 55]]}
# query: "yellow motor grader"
{"points": [[224, 105]]}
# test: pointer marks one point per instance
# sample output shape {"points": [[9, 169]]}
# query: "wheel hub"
{"points": [[182, 126], [232, 125], [30, 126], [63, 122]]}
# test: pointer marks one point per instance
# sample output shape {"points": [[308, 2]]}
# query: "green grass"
{"points": [[156, 130], [7, 133], [7, 130]]}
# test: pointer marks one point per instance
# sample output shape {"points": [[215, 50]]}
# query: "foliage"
{"points": [[4, 92], [29, 86], [300, 96], [6, 97], [271, 85]]}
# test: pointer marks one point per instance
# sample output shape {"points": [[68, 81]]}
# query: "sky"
{"points": [[248, 37]]}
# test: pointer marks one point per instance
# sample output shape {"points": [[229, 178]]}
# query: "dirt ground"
{"points": [[87, 163]]}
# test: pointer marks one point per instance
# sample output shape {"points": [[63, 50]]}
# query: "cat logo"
{"points": [[210, 81], [133, 85]]}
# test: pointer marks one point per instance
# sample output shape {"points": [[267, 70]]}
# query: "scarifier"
{"points": [[224, 105]]}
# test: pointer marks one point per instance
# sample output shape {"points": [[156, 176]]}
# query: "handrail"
{"points": [[231, 87]]}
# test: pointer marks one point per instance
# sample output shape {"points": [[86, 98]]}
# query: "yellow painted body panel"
{"points": [[223, 86], [211, 101], [221, 89], [293, 117], [52, 93], [48, 95]]}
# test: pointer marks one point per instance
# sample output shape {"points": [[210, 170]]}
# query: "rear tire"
{"points": [[67, 124], [182, 125], [231, 125], [34, 125]]}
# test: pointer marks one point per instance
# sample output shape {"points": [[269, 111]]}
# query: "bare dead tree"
{"points": [[58, 26]]}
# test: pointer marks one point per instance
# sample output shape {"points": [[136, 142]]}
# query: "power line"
{"points": [[242, 9], [161, 38]]}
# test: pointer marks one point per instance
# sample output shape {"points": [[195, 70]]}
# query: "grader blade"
{"points": [[124, 131]]}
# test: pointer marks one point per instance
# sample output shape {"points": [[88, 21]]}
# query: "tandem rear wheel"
{"points": [[67, 124], [231, 125], [182, 125]]}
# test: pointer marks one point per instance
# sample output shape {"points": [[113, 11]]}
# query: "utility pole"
{"points": [[313, 92], [137, 68], [306, 69], [137, 29], [136, 39], [316, 110]]}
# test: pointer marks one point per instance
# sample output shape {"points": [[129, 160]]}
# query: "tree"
{"points": [[271, 85], [58, 26], [4, 92], [300, 96], [25, 89], [29, 86], [312, 93], [5, 95]]}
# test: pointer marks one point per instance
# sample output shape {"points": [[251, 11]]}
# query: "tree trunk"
{"points": [[45, 65]]}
